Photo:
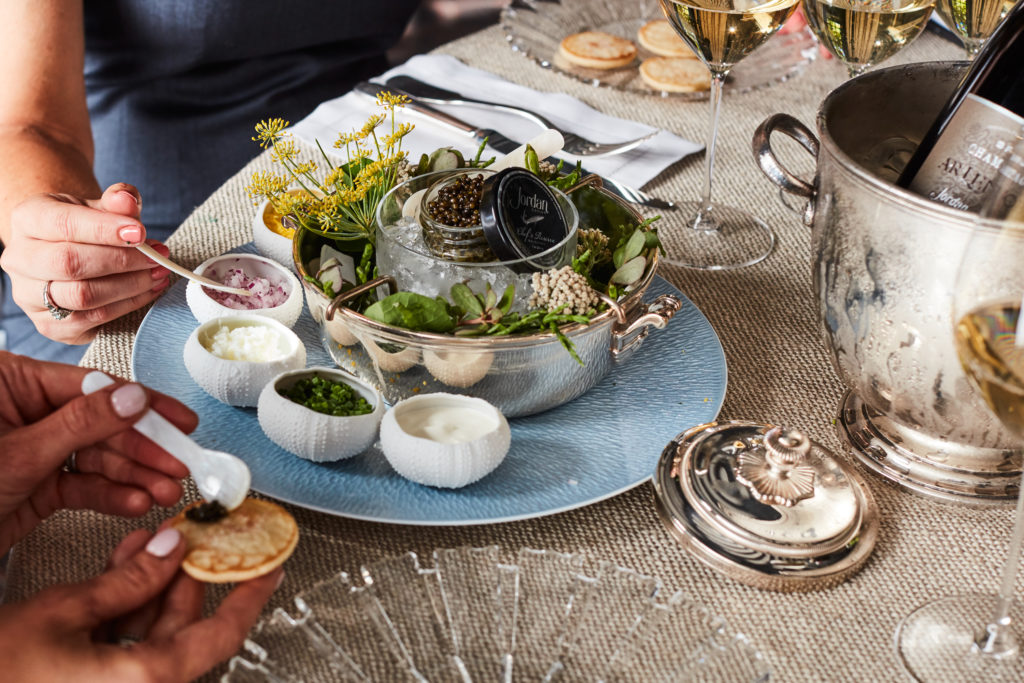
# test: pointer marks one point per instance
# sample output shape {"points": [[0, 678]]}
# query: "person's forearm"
{"points": [[40, 162]]}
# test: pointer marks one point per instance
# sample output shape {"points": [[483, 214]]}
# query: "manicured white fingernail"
{"points": [[164, 542], [128, 400]]}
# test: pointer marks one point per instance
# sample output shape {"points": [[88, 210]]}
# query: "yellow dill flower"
{"points": [[391, 100], [265, 184], [305, 168], [268, 131], [344, 199], [395, 139], [371, 124], [285, 149]]}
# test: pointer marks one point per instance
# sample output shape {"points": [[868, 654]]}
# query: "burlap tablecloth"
{"points": [[779, 371]]}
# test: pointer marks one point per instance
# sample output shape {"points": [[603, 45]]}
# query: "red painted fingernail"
{"points": [[131, 234], [160, 286], [280, 580], [159, 273], [161, 249]]}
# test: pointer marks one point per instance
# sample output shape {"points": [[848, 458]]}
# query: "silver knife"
{"points": [[501, 143]]}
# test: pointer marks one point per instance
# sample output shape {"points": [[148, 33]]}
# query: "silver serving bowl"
{"points": [[884, 265], [520, 374]]}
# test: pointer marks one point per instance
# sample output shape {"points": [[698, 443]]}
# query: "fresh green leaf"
{"points": [[530, 161], [413, 312], [630, 272], [466, 301], [505, 304]]}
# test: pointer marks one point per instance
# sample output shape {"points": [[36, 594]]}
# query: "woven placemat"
{"points": [[779, 371]]}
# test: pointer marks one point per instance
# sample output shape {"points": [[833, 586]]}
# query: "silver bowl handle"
{"points": [[776, 172], [627, 335]]}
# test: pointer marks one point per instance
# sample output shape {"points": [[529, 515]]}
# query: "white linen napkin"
{"points": [[635, 167]]}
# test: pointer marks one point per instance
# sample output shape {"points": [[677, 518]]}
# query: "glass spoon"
{"points": [[219, 476]]}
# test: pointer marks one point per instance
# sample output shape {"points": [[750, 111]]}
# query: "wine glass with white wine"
{"points": [[721, 32], [979, 637], [973, 21], [863, 33]]}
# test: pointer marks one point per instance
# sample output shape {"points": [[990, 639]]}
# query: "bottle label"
{"points": [[961, 168]]}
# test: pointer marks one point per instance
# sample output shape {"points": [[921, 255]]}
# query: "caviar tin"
{"points": [[521, 217], [765, 505]]}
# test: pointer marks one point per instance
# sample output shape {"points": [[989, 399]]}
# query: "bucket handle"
{"points": [[769, 163]]}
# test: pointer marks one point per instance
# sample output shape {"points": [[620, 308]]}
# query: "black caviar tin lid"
{"points": [[521, 217]]}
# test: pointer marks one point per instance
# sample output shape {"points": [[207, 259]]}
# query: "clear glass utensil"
{"points": [[863, 33], [973, 21], [220, 477], [721, 33], [167, 263], [950, 639]]}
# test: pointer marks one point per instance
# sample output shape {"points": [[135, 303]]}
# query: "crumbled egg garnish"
{"points": [[255, 343]]}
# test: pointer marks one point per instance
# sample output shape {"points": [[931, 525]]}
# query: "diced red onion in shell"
{"points": [[265, 293]]}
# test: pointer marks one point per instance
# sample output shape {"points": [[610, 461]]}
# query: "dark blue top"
{"points": [[176, 86]]}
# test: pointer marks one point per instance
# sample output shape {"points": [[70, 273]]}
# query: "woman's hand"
{"points": [[44, 418], [82, 252], [138, 621]]}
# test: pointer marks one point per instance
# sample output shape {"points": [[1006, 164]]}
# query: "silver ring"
{"points": [[58, 312], [71, 464]]}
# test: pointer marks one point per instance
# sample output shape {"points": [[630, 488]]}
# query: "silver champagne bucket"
{"points": [[884, 265]]}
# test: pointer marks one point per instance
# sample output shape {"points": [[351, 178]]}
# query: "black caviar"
{"points": [[327, 396], [206, 512], [458, 203]]}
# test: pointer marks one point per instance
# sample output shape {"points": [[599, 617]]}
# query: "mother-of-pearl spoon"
{"points": [[219, 476], [167, 263]]}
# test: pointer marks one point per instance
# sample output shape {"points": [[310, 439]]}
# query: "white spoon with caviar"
{"points": [[220, 477], [167, 263]]}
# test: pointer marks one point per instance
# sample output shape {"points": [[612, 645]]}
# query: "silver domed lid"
{"points": [[766, 505]]}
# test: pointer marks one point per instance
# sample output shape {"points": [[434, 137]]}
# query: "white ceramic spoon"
{"points": [[219, 476], [167, 263]]}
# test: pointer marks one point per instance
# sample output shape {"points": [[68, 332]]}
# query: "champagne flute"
{"points": [[721, 33], [863, 33], [973, 21], [978, 637]]}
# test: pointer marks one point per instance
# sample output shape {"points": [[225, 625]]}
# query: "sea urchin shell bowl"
{"points": [[317, 436], [236, 376], [205, 307], [445, 440]]}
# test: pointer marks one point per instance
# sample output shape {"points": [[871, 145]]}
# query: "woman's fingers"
{"points": [[69, 261], [121, 469], [37, 449], [60, 218], [182, 606], [95, 492], [92, 293], [203, 644], [121, 198], [127, 587]]}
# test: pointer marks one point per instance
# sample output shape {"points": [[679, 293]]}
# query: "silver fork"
{"points": [[574, 144]]}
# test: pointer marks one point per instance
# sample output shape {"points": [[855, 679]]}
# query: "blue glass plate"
{"points": [[599, 445]]}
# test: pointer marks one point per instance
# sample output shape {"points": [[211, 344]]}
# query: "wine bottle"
{"points": [[958, 158]]}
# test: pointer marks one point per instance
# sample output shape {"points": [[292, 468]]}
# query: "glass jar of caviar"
{"points": [[450, 217]]}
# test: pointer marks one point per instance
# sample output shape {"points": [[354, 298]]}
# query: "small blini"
{"points": [[675, 74], [252, 540], [597, 50]]}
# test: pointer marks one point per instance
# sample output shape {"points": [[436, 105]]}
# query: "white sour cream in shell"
{"points": [[447, 424]]}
